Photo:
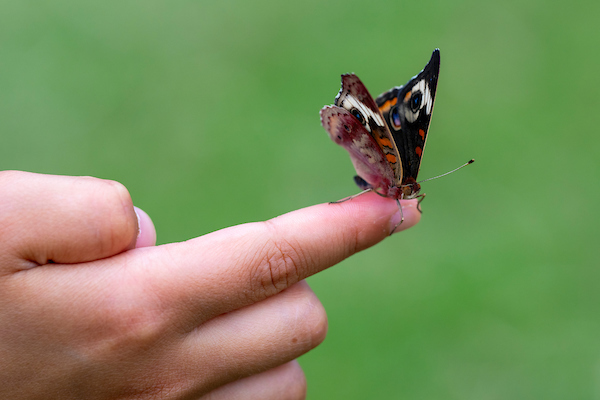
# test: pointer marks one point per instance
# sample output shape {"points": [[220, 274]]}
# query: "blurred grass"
{"points": [[208, 113]]}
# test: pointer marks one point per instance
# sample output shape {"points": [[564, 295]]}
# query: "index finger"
{"points": [[244, 264]]}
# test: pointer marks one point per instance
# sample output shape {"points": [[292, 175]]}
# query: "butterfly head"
{"points": [[410, 189]]}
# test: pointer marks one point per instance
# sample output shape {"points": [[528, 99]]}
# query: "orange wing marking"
{"points": [[385, 142], [385, 107]]}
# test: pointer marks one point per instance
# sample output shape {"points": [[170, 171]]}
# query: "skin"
{"points": [[90, 308]]}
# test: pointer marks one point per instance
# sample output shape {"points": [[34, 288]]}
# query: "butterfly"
{"points": [[385, 137]]}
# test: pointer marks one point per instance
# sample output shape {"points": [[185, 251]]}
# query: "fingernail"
{"points": [[138, 220], [146, 232]]}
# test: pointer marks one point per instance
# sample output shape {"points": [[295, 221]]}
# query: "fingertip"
{"points": [[146, 236], [411, 214], [371, 211]]}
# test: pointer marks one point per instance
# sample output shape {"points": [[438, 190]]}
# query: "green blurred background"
{"points": [[208, 113]]}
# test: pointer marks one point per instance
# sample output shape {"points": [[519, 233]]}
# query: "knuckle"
{"points": [[126, 329], [116, 194], [131, 328], [118, 208], [119, 190], [295, 382], [312, 321], [278, 265]]}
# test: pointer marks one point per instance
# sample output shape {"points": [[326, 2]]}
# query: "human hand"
{"points": [[91, 310]]}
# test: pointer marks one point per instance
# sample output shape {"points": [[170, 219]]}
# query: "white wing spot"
{"points": [[426, 101], [351, 102]]}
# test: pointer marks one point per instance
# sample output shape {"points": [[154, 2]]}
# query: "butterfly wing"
{"points": [[367, 157], [407, 111], [355, 98]]}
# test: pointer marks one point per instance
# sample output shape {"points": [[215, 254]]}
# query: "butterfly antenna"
{"points": [[449, 172]]}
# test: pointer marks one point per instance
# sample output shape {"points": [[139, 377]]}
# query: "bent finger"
{"points": [[286, 382], [252, 339], [63, 219]]}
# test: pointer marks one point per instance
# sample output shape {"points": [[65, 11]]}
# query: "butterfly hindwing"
{"points": [[355, 98], [367, 157]]}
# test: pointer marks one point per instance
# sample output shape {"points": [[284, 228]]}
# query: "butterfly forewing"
{"points": [[407, 111]]}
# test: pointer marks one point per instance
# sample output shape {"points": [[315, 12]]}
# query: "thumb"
{"points": [[64, 219]]}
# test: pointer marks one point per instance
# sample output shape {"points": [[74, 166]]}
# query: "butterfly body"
{"points": [[385, 137]]}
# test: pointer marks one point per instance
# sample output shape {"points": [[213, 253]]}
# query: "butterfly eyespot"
{"points": [[395, 118], [415, 101], [358, 116], [347, 128]]}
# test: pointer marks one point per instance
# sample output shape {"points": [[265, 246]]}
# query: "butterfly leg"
{"points": [[420, 197], [362, 184], [351, 197], [401, 217]]}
